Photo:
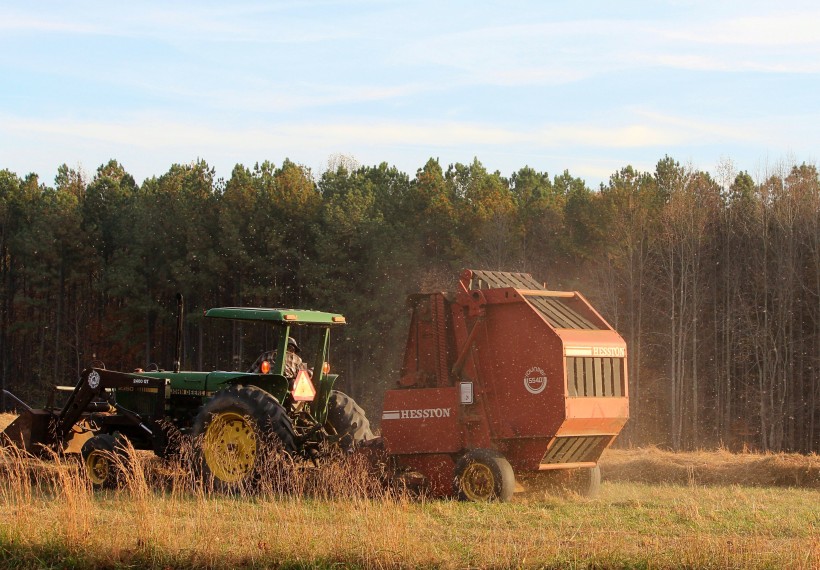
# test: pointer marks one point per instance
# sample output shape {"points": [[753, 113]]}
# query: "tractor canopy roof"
{"points": [[276, 316]]}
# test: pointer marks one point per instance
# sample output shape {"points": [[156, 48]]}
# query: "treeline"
{"points": [[714, 283]]}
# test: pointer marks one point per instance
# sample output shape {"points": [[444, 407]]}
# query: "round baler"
{"points": [[502, 377]]}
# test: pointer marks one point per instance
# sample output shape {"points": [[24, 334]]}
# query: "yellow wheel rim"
{"points": [[478, 482], [98, 466], [229, 446]]}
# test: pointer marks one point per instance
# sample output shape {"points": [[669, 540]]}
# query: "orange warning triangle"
{"points": [[303, 390]]}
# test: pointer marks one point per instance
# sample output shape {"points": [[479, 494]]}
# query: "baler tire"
{"points": [[590, 481], [484, 475], [236, 432], [348, 420], [104, 460]]}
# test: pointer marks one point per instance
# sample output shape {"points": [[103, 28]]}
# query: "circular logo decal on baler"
{"points": [[535, 380]]}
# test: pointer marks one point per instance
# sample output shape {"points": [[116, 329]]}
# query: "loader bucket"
{"points": [[30, 431]]}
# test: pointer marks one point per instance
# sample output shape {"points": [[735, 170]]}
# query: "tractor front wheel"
{"points": [[238, 430], [484, 475], [348, 420], [104, 461]]}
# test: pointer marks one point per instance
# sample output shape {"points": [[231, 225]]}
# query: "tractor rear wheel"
{"points": [[348, 420], [104, 460], [238, 431], [484, 475]]}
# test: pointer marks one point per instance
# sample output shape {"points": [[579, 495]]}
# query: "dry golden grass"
{"points": [[337, 516], [55, 520]]}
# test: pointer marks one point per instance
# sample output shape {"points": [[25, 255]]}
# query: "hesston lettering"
{"points": [[427, 413], [617, 351]]}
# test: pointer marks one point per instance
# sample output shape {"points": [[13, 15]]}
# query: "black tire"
{"points": [[588, 481], [237, 432], [348, 420], [484, 475], [104, 459]]}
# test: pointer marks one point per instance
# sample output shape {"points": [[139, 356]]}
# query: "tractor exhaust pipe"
{"points": [[178, 351]]}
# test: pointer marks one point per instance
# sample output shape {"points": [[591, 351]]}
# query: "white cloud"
{"points": [[274, 98], [544, 53], [775, 28], [254, 23], [770, 39], [10, 22], [736, 63], [691, 130], [643, 129]]}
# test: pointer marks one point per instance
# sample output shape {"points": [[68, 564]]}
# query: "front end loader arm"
{"points": [[35, 430], [92, 384], [88, 387]]}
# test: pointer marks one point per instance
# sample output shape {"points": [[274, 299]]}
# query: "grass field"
{"points": [[655, 510]]}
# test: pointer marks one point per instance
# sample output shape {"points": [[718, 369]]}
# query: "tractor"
{"points": [[235, 419]]}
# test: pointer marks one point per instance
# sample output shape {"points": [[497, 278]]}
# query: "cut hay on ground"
{"points": [[653, 465]]}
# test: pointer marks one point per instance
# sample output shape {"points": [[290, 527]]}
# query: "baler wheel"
{"points": [[348, 420], [484, 475], [104, 461], [240, 427], [589, 481]]}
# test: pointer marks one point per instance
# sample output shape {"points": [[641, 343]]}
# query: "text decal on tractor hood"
{"points": [[416, 414]]}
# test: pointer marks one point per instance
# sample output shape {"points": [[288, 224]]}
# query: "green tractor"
{"points": [[233, 421]]}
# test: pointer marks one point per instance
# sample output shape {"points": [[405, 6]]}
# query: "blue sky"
{"points": [[586, 86]]}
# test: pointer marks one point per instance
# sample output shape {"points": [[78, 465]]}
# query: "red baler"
{"points": [[504, 376]]}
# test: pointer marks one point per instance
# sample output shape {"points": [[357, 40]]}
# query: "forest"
{"points": [[713, 280]]}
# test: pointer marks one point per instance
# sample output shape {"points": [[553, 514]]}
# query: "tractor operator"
{"points": [[293, 362]]}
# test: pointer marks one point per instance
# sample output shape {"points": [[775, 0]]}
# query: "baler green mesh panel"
{"points": [[559, 314], [576, 449], [589, 377]]}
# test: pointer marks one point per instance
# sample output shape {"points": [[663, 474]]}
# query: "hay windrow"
{"points": [[720, 467]]}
